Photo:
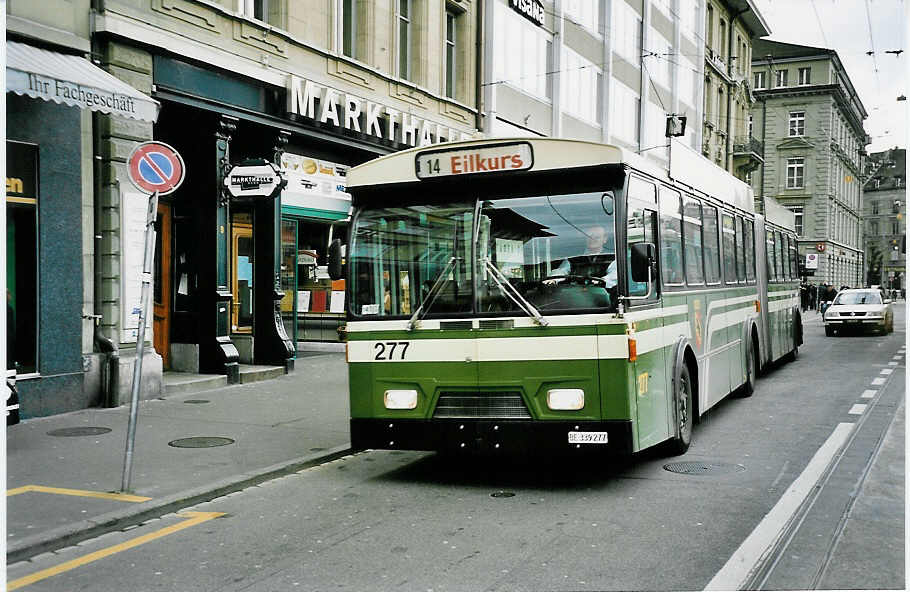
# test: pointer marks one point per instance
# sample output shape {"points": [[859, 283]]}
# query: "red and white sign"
{"points": [[155, 166], [468, 161]]}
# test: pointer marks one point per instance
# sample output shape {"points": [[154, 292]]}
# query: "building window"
{"points": [[797, 219], [626, 32], [895, 227], [451, 52], [584, 12], [795, 172], [404, 39], [797, 123], [267, 11], [709, 27], [751, 126], [759, 80], [722, 39], [580, 86], [349, 28], [624, 112], [804, 76], [780, 78], [520, 53], [875, 208]]}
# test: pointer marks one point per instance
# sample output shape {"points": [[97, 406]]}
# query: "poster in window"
{"points": [[133, 212], [337, 302], [404, 290]]}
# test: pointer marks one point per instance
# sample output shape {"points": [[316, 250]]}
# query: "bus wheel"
{"points": [[684, 414], [751, 365]]}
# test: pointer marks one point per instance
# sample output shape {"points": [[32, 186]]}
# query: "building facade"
{"points": [[810, 119], [55, 93], [731, 28], [885, 219], [309, 86], [607, 71]]}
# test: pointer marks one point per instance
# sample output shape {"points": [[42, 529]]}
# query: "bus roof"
{"points": [[778, 214], [687, 167], [549, 154]]}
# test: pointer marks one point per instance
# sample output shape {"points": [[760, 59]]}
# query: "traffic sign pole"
{"points": [[147, 261], [157, 169]]}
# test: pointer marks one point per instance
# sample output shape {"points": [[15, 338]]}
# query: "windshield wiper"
{"points": [[441, 281], [513, 294]]}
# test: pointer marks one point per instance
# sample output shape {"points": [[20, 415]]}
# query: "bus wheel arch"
{"points": [[685, 397]]}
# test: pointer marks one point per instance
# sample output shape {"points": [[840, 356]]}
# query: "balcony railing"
{"points": [[748, 144]]}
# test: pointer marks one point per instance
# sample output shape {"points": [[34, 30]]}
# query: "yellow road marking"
{"points": [[120, 497], [194, 519]]}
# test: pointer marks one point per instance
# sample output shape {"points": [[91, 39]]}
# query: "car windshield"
{"points": [[525, 255], [858, 298]]}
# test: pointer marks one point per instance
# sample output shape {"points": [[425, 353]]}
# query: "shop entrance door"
{"points": [[162, 308], [242, 275]]}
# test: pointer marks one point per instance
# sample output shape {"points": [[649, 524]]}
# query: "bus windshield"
{"points": [[555, 253]]}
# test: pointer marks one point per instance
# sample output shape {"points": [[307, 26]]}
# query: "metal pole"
{"points": [[147, 261]]}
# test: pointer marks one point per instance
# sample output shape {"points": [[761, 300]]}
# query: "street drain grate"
{"points": [[703, 468], [84, 431], [502, 494], [200, 442], [196, 401]]}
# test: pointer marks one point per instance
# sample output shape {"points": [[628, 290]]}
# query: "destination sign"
{"points": [[468, 161]]}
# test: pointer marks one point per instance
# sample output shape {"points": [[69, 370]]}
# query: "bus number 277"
{"points": [[386, 350]]}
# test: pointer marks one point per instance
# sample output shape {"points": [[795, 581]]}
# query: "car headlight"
{"points": [[400, 399], [565, 399]]}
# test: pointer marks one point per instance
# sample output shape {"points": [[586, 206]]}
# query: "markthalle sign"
{"points": [[530, 9], [252, 179]]}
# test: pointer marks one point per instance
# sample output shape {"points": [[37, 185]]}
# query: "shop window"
{"points": [[22, 256], [242, 272]]}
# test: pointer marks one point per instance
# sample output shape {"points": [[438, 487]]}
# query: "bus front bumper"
{"points": [[492, 435]]}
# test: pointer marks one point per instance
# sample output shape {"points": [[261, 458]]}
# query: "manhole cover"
{"points": [[85, 431], [200, 442], [196, 401], [703, 468], [502, 494]]}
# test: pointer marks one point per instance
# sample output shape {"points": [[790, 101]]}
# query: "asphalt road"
{"points": [[382, 520]]}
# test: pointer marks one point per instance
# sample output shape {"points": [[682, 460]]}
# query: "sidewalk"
{"points": [[277, 426]]}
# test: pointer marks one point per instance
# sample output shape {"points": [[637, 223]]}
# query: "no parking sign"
{"points": [[156, 166]]}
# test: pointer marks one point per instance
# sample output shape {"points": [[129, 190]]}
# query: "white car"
{"points": [[859, 309]]}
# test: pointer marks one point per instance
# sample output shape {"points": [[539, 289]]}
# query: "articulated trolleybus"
{"points": [[523, 293]]}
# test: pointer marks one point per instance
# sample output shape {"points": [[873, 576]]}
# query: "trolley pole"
{"points": [[147, 261]]}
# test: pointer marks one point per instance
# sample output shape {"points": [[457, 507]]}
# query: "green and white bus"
{"points": [[519, 293]]}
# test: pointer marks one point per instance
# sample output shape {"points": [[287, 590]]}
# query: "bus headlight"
{"points": [[400, 399], [565, 399]]}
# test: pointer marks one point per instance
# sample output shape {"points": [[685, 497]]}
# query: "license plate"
{"points": [[587, 437]]}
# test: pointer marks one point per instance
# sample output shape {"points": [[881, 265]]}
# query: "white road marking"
{"points": [[857, 409], [892, 363], [868, 394], [762, 540], [897, 357], [878, 381], [886, 371]]}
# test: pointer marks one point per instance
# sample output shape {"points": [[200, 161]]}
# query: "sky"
{"points": [[852, 28]]}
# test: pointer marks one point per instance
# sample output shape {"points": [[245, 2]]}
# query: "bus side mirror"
{"points": [[642, 260], [336, 260]]}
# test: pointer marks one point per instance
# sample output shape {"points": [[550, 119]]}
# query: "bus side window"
{"points": [[771, 255], [692, 224], [712, 245], [794, 257], [729, 242], [641, 227], [671, 256], [740, 251], [781, 257], [750, 250]]}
